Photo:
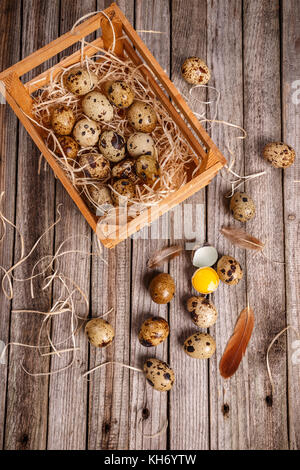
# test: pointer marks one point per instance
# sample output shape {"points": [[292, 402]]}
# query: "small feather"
{"points": [[162, 256], [237, 344], [239, 237]]}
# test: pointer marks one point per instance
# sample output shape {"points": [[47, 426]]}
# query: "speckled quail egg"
{"points": [[162, 288], [100, 194], [125, 169], [125, 190], [153, 331], [147, 168], [100, 333], [195, 71], [140, 144], [200, 346], [279, 154], [142, 116], [97, 107], [229, 270], [112, 146], [204, 313], [86, 132], [94, 165], [69, 146], [119, 93], [242, 207], [79, 81], [159, 374], [62, 120]]}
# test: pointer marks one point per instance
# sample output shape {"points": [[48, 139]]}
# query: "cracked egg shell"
{"points": [[204, 313], [200, 346], [229, 270], [119, 93], [94, 165], [147, 168], [100, 333], [62, 120], [124, 169], [142, 116], [279, 154], [140, 144], [69, 146], [125, 190], [86, 132], [153, 331], [112, 146], [162, 288], [79, 81], [242, 207], [195, 71], [101, 194], [97, 107], [159, 374]]}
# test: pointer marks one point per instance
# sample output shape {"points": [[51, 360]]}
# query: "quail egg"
{"points": [[195, 71], [94, 165], [159, 374], [162, 288], [97, 107], [204, 313], [62, 120], [147, 168], [69, 146], [125, 190], [124, 169], [100, 194], [79, 81], [119, 93], [142, 116], [153, 331], [200, 346], [112, 146], [100, 333], [229, 270], [279, 154], [86, 132], [140, 144], [242, 207]]}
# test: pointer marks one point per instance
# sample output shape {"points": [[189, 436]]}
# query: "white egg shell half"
{"points": [[204, 256]]}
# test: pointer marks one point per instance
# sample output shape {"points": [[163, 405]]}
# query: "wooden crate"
{"points": [[18, 95]]}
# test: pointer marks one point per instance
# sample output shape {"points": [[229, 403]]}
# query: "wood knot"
{"points": [[269, 400], [145, 413], [106, 428], [24, 439], [225, 409]]}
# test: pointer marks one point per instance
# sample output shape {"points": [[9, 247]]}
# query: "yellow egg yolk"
{"points": [[205, 280]]}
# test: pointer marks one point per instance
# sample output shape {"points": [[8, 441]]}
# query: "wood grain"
{"points": [[67, 390], [27, 397], [146, 242], [10, 20], [229, 400], [108, 407], [291, 134], [189, 403], [267, 414]]}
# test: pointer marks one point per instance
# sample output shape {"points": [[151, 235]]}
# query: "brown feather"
{"points": [[162, 256], [237, 344], [239, 237]]}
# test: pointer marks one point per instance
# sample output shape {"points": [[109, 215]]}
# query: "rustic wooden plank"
{"points": [[10, 20], [229, 401], [27, 398], [68, 391], [109, 387], [188, 401], [265, 280], [291, 134], [146, 242]]}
